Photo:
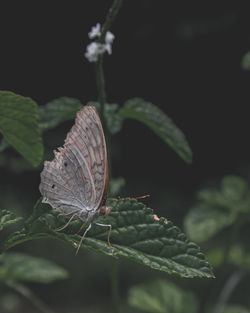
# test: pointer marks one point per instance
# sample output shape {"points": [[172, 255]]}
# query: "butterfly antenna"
{"points": [[142, 197]]}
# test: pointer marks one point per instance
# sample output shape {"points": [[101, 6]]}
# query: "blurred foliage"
{"points": [[150, 115], [162, 297], [22, 267], [10, 303], [114, 120], [237, 255], [16, 268], [116, 185], [218, 209], [245, 62], [7, 218], [57, 111], [19, 125], [235, 309]]}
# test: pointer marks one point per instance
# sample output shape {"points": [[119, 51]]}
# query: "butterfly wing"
{"points": [[76, 180]]}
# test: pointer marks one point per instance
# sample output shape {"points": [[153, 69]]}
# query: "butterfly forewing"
{"points": [[75, 181]]}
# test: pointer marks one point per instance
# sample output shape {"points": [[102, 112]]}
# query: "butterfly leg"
{"points": [[80, 229], [110, 229], [61, 228], [80, 243]]}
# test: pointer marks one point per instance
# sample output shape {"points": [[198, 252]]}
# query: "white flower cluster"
{"points": [[94, 49]]}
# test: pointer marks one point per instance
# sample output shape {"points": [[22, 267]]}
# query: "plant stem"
{"points": [[112, 13], [27, 293], [114, 285], [100, 80], [232, 238], [228, 289]]}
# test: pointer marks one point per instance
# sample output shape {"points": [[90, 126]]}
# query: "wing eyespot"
{"points": [[53, 186], [65, 164]]}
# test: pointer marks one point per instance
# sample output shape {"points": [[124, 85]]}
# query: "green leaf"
{"points": [[233, 195], [114, 120], [116, 185], [7, 218], [3, 144], [245, 62], [160, 123], [162, 297], [9, 302], [23, 267], [57, 111], [65, 108], [27, 293], [135, 235], [236, 256], [18, 124], [235, 309], [216, 256], [234, 188], [217, 208], [204, 221]]}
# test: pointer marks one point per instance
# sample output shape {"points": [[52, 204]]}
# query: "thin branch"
{"points": [[228, 289], [114, 285], [111, 15], [28, 294]]}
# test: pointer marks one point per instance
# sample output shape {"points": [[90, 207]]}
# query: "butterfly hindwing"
{"points": [[75, 181]]}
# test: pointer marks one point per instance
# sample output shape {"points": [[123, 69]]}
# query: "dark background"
{"points": [[183, 56]]}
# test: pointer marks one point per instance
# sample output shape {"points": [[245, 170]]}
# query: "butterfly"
{"points": [[75, 182]]}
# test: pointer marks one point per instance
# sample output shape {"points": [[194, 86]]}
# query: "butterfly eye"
{"points": [[65, 164], [53, 186]]}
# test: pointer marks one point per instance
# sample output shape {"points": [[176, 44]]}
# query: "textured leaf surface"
{"points": [[135, 236], [19, 266], [162, 297], [160, 123], [18, 124], [57, 111], [7, 218]]}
